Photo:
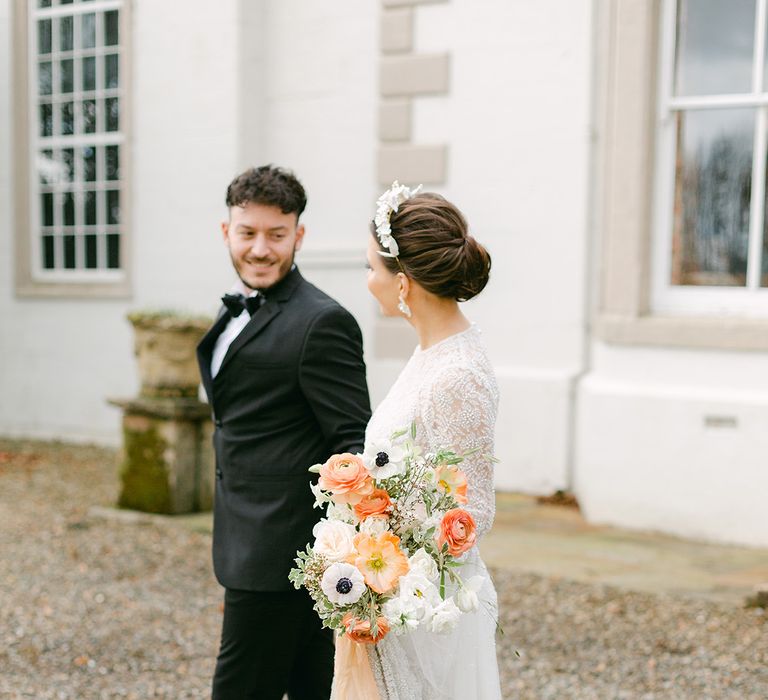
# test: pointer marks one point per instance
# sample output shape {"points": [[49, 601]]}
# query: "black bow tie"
{"points": [[237, 303]]}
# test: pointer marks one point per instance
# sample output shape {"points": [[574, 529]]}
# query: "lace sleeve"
{"points": [[458, 411]]}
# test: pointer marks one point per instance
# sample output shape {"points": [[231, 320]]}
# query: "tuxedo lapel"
{"points": [[205, 351], [257, 323]]}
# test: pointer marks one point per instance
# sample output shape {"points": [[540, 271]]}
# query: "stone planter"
{"points": [[165, 350], [167, 462]]}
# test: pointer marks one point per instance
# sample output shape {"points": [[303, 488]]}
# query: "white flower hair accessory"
{"points": [[385, 205]]}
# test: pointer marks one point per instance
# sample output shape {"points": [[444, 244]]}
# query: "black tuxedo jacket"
{"points": [[291, 391]]}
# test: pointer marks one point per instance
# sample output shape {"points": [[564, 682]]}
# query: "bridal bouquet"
{"points": [[385, 557]]}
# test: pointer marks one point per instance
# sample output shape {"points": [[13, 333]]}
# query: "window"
{"points": [[76, 140], [711, 245]]}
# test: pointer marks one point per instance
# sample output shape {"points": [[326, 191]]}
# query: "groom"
{"points": [[283, 370]]}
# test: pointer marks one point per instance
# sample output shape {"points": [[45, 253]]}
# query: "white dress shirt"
{"points": [[231, 331]]}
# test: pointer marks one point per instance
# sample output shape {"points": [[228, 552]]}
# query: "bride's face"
{"points": [[384, 285]]}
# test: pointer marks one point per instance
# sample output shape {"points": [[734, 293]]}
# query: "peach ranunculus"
{"points": [[458, 531], [360, 630], [346, 477], [380, 560], [453, 481], [375, 503]]}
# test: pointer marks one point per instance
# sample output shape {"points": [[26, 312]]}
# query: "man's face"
{"points": [[262, 242]]}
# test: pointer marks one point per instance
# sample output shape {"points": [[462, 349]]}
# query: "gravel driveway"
{"points": [[94, 608]]}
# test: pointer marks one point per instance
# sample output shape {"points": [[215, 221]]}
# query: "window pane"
{"points": [[89, 163], [113, 250], [714, 46], [111, 29], [89, 207], [112, 113], [44, 36], [88, 28], [712, 197], [67, 75], [69, 209], [91, 256], [69, 252], [110, 71], [43, 3], [45, 78], [47, 168], [113, 206], [112, 162], [46, 120], [89, 116], [47, 213], [68, 118], [89, 73], [48, 252], [66, 34], [68, 161]]}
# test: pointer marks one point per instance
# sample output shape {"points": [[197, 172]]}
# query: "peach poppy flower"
{"points": [[453, 481], [458, 530], [360, 630], [375, 503], [346, 477], [380, 560]]}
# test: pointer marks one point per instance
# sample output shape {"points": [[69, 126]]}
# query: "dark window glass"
{"points": [[48, 252], [89, 116], [46, 120], [89, 163], [110, 71], [68, 160], [47, 209], [69, 209], [111, 28], [89, 205], [113, 162], [88, 31], [68, 118], [69, 252], [66, 33], [44, 36], [45, 78], [89, 73], [66, 2], [113, 251], [67, 67], [112, 113], [91, 251], [43, 3], [113, 206]]}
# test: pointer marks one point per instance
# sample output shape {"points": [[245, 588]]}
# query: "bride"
{"points": [[422, 262]]}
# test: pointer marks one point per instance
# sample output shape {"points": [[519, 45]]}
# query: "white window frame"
{"points": [[750, 301], [31, 278]]}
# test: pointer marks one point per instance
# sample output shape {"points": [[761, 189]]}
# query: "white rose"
{"points": [[374, 526], [334, 539], [445, 617], [400, 614], [422, 562], [343, 512]]}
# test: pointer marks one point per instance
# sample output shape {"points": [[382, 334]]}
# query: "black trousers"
{"points": [[272, 644]]}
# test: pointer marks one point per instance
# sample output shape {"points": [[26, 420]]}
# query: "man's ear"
{"points": [[300, 231], [225, 231]]}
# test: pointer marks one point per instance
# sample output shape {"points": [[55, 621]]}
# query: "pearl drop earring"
{"points": [[403, 307]]}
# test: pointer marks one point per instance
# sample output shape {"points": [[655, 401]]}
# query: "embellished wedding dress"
{"points": [[450, 391]]}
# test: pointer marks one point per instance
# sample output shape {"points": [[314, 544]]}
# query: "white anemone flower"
{"points": [[384, 459], [342, 583]]}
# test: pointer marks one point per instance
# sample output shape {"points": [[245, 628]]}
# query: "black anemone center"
{"points": [[344, 585], [381, 459]]}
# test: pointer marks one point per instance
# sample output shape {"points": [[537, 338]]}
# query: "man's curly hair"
{"points": [[268, 185]]}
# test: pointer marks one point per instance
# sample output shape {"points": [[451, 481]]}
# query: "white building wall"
{"points": [[517, 121], [675, 440]]}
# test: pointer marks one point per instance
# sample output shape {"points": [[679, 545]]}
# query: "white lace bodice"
{"points": [[450, 391]]}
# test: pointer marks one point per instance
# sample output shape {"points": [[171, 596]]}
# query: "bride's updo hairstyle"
{"points": [[435, 248]]}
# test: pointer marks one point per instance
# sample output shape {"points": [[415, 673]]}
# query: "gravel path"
{"points": [[93, 608]]}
